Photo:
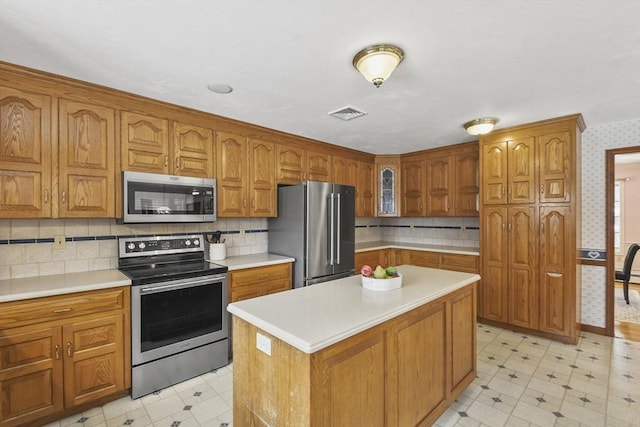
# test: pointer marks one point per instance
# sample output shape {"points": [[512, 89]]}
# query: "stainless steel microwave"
{"points": [[150, 197]]}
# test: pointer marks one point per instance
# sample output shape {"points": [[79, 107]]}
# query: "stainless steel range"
{"points": [[179, 322]]}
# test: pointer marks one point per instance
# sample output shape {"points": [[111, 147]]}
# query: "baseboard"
{"points": [[593, 329]]}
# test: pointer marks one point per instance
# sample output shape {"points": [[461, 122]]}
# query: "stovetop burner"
{"points": [[162, 258]]}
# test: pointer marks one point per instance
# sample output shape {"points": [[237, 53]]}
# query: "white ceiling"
{"points": [[289, 62]]}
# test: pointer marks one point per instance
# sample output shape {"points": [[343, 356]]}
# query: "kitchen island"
{"points": [[338, 354]]}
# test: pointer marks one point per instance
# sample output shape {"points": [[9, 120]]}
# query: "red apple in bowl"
{"points": [[366, 271]]}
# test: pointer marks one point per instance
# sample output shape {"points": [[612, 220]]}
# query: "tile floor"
{"points": [[522, 381]]}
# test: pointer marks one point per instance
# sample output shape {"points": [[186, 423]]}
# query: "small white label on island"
{"points": [[263, 343]]}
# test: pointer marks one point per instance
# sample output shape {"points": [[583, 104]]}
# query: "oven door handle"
{"points": [[180, 285]]}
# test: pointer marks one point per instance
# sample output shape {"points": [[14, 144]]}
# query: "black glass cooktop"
{"points": [[162, 272]]}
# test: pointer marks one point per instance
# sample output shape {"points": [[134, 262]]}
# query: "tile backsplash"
{"points": [[27, 248]]}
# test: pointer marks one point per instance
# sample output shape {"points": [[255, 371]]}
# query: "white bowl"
{"points": [[374, 284]]}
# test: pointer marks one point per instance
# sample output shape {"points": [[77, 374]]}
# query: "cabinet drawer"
{"points": [[18, 313], [465, 263], [425, 259], [252, 276]]}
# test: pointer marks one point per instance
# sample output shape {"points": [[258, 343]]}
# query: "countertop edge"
{"points": [[309, 348], [419, 247]]}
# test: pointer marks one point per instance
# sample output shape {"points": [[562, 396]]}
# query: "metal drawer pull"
{"points": [[554, 274], [57, 352], [69, 350], [62, 310]]}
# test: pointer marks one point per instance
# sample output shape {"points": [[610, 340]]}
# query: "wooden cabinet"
{"points": [[58, 353], [254, 282], [147, 146], [344, 171], [413, 187], [245, 176], [466, 182], [402, 372], [294, 165], [86, 160], [365, 190], [442, 260], [529, 226], [453, 183], [439, 186], [25, 154], [370, 258], [388, 185]]}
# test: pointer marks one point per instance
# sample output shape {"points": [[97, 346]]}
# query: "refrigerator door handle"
{"points": [[337, 213], [332, 245]]}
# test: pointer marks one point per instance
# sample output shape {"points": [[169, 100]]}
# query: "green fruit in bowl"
{"points": [[392, 271], [379, 273]]}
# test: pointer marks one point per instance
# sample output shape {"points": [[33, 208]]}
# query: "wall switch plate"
{"points": [[59, 242], [263, 343]]}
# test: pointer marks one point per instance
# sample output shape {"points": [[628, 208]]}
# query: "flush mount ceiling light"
{"points": [[376, 63], [480, 126], [221, 88]]}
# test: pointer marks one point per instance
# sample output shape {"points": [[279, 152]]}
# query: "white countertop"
{"points": [[253, 260], [383, 244], [317, 316], [58, 284]]}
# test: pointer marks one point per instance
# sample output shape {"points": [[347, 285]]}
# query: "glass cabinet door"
{"points": [[387, 191]]}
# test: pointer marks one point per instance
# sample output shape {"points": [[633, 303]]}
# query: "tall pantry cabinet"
{"points": [[529, 227]]}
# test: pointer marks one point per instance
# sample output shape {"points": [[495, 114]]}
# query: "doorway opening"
{"points": [[622, 230]]}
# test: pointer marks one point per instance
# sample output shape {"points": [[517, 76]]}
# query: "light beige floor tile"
{"points": [[534, 414], [138, 416], [209, 409], [583, 415], [120, 407], [487, 415], [165, 407]]}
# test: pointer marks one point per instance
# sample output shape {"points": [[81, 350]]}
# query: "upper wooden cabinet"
{"points": [[365, 203], [439, 186], [147, 146], [25, 154], [294, 165], [86, 160], [345, 171], [388, 185], [556, 164], [413, 187], [466, 182], [245, 176]]}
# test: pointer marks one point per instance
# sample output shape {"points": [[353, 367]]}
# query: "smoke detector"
{"points": [[347, 113]]}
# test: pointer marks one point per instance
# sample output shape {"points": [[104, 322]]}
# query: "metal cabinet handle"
{"points": [[62, 310], [509, 226], [64, 196], [46, 196], [166, 160], [542, 188], [554, 274], [69, 349], [57, 352], [177, 163], [244, 202]]}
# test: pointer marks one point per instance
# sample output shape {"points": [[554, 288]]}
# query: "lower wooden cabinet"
{"points": [[442, 260], [48, 367], [254, 282], [403, 372]]}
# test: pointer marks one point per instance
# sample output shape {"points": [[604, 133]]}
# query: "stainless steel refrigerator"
{"points": [[316, 226]]}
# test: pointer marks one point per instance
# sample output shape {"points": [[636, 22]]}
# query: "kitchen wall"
{"points": [[26, 246], [595, 141]]}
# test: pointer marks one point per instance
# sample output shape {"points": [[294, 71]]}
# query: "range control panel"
{"points": [[156, 245]]}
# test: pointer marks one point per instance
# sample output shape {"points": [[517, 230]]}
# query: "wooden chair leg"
{"points": [[625, 287]]}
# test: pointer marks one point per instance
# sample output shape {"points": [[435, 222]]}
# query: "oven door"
{"points": [[172, 317]]}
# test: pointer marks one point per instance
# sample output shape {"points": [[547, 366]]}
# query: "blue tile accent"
{"points": [[45, 240], [18, 241], [374, 226], [361, 226], [106, 237], [594, 254], [231, 232], [256, 231], [4, 242], [83, 239]]}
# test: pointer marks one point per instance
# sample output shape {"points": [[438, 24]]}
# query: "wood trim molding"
{"points": [[594, 329], [596, 262]]}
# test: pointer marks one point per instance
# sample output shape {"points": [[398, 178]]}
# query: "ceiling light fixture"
{"points": [[480, 126], [376, 63], [221, 88]]}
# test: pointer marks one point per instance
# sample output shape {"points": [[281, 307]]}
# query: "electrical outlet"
{"points": [[263, 343], [59, 242]]}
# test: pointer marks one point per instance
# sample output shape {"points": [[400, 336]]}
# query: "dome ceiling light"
{"points": [[376, 63], [480, 126]]}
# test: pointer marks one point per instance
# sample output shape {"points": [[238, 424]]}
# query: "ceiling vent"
{"points": [[347, 113]]}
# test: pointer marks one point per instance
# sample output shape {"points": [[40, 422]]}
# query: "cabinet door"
{"points": [[493, 244], [25, 154], [522, 267], [557, 266], [231, 174], [144, 142], [425, 259], [370, 258], [556, 167], [439, 186], [290, 165], [93, 359], [345, 171], [30, 374], [494, 173], [262, 179], [365, 190], [521, 184], [192, 151], [318, 166], [467, 185], [87, 160], [463, 340], [413, 183], [388, 175]]}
